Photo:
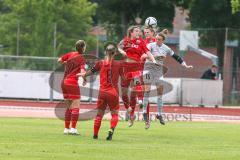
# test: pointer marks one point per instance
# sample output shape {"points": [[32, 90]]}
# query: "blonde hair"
{"points": [[80, 46], [130, 30], [150, 28], [163, 33]]}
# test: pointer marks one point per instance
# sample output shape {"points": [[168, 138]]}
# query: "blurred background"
{"points": [[33, 33]]}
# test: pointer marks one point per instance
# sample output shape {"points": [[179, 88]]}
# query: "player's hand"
{"points": [[84, 82], [81, 74], [143, 57], [189, 67]]}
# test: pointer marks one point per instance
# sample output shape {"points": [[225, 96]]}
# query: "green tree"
{"points": [[117, 15], [36, 20], [215, 16], [235, 6]]}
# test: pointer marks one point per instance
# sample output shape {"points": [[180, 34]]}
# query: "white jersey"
{"points": [[153, 73], [159, 52]]}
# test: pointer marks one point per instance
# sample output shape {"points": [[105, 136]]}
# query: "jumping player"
{"points": [[74, 63], [109, 70], [135, 48], [154, 73]]}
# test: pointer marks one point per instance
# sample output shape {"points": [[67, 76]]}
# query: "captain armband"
{"points": [[177, 58], [93, 70]]}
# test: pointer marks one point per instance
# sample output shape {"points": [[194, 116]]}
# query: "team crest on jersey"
{"points": [[134, 46]]}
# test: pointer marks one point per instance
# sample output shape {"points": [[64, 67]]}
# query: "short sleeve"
{"points": [[170, 51], [149, 46], [65, 57]]}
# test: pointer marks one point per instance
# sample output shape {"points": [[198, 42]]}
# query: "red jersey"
{"points": [[109, 73], [134, 48], [74, 63], [150, 40]]}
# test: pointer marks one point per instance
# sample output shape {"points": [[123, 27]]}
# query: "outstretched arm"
{"points": [[120, 49], [150, 56], [61, 61], [181, 61]]}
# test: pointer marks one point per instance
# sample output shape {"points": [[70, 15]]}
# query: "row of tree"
{"points": [[213, 15], [35, 21], [32, 23]]}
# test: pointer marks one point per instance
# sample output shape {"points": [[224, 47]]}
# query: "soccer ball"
{"points": [[151, 22]]}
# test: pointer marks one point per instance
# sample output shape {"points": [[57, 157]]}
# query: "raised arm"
{"points": [[181, 61], [120, 49]]}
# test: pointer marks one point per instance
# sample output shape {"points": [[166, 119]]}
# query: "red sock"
{"points": [[114, 121], [75, 115], [133, 102], [97, 124], [148, 110], [125, 101], [67, 117]]}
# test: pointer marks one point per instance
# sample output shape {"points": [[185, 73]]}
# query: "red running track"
{"points": [[168, 109]]}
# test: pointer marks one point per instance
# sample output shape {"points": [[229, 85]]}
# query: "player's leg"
{"points": [[113, 124], [75, 105], [101, 106], [147, 79], [67, 118], [71, 93], [125, 98], [97, 123], [133, 102], [160, 104], [147, 88], [113, 103]]}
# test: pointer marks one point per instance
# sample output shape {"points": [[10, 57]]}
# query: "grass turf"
{"points": [[26, 138]]}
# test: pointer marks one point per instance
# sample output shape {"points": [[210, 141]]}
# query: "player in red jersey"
{"points": [[110, 70], [74, 64], [149, 34], [135, 48]]}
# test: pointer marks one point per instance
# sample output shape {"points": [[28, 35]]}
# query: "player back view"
{"points": [[74, 64], [110, 70]]}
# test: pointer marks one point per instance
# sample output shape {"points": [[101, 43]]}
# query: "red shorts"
{"points": [[70, 89], [132, 72], [110, 98]]}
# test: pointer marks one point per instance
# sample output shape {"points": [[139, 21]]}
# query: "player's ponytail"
{"points": [[163, 33], [110, 48]]}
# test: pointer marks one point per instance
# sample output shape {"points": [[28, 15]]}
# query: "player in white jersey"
{"points": [[153, 73]]}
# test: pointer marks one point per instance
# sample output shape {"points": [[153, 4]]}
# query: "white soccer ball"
{"points": [[151, 22]]}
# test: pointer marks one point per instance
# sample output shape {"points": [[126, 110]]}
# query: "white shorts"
{"points": [[153, 74]]}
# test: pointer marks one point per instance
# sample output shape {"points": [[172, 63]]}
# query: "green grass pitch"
{"points": [[26, 138]]}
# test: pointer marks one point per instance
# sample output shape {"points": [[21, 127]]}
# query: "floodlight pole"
{"points": [[18, 34], [54, 60]]}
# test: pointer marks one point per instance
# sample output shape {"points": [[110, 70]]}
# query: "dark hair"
{"points": [[163, 33], [110, 48], [80, 44], [130, 30], [214, 66]]}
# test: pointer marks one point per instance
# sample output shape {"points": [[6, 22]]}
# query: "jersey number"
{"points": [[147, 76]]}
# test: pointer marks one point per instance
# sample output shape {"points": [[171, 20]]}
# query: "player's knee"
{"points": [[114, 112], [100, 112]]}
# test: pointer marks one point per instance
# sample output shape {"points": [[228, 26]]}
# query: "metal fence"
{"points": [[23, 49]]}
